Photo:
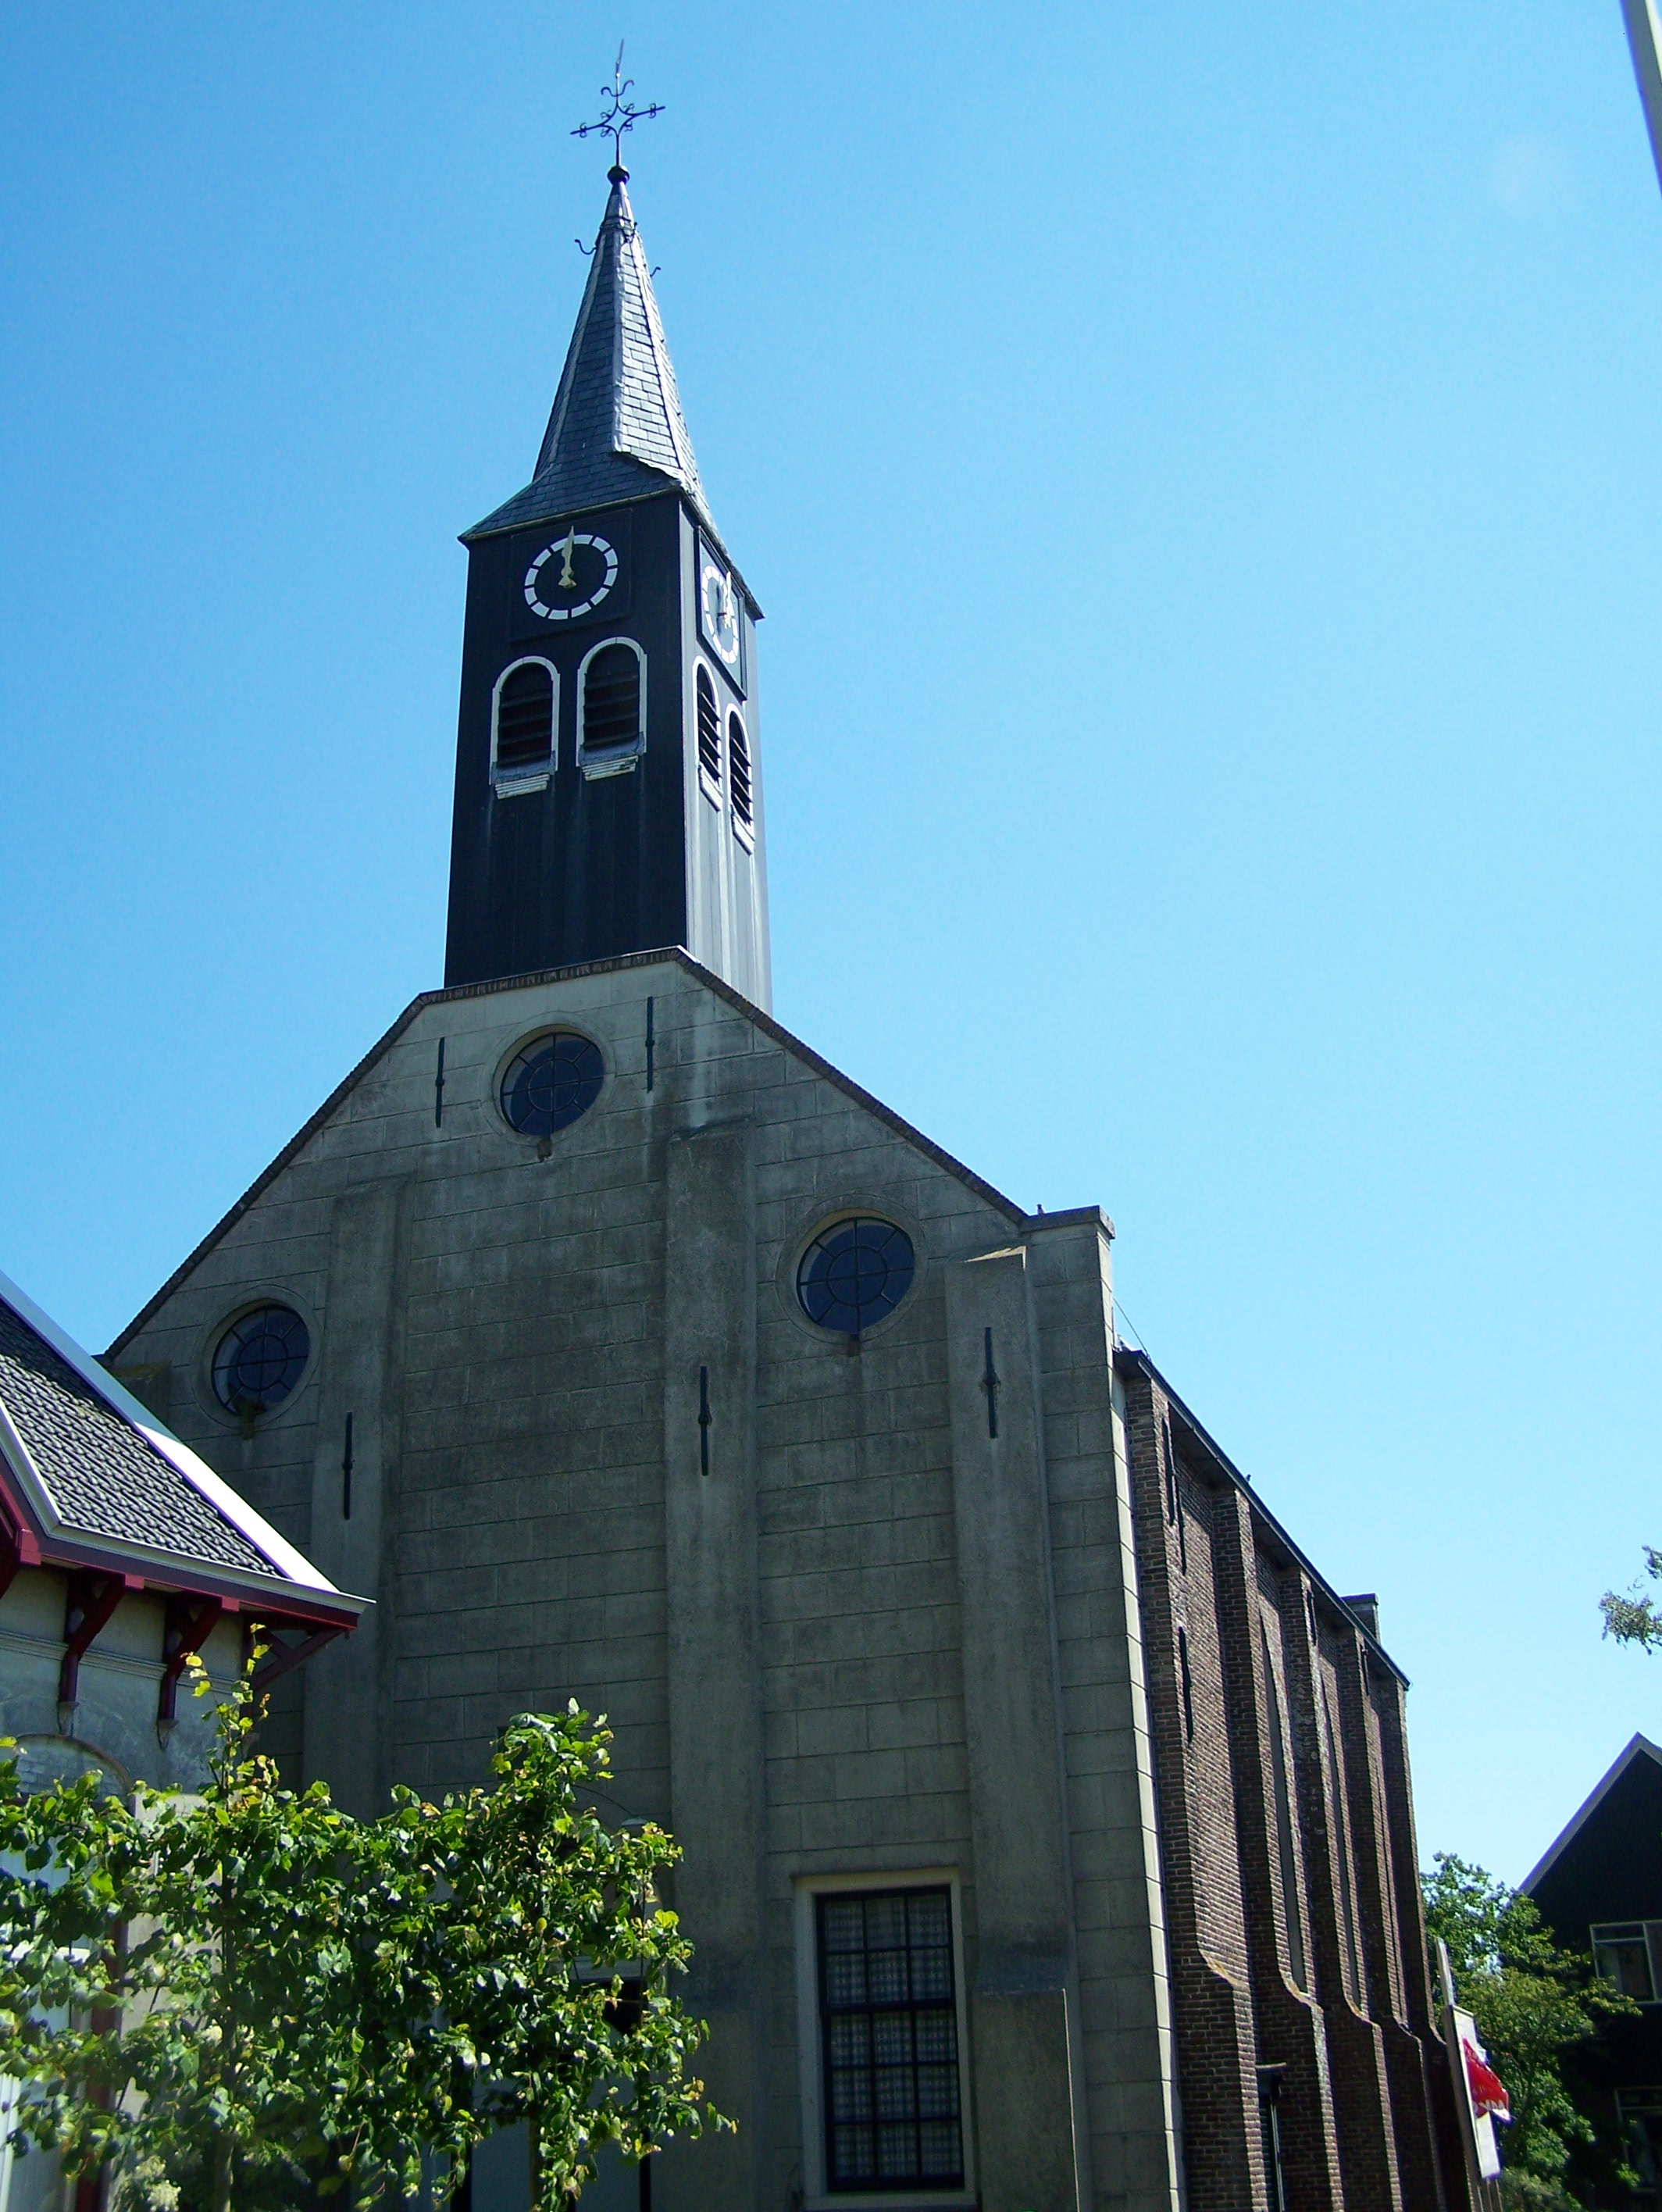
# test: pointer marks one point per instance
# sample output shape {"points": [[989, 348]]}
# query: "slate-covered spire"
{"points": [[617, 430]]}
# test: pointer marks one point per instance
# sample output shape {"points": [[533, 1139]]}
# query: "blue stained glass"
{"points": [[260, 1360], [551, 1083], [854, 1272]]}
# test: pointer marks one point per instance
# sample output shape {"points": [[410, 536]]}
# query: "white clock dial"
{"points": [[570, 577], [720, 607]]}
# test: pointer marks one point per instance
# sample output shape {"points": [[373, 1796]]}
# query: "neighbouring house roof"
{"points": [[89, 1479], [1638, 1746]]}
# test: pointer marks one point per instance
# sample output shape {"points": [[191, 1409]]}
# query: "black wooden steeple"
{"points": [[608, 794]]}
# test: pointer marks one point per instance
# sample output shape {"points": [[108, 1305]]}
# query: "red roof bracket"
{"points": [[281, 1656], [189, 1624], [11, 1558], [91, 1601]]}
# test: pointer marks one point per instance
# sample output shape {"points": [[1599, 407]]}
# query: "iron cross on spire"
{"points": [[622, 114]]}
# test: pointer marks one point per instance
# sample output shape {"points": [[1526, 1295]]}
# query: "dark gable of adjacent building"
{"points": [[1599, 1887]]}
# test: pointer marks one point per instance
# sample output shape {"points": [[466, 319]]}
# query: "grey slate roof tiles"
{"points": [[617, 431], [105, 1478]]}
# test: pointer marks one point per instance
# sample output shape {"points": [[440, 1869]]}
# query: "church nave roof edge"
{"points": [[669, 953]]}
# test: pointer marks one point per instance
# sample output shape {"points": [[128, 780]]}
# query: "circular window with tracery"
{"points": [[855, 1272], [260, 1360], [553, 1081]]}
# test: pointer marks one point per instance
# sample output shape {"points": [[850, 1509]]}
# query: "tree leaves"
{"points": [[1634, 1619], [1532, 2002], [232, 1998]]}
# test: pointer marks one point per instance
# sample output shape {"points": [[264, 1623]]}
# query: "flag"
{"points": [[1489, 2100]]}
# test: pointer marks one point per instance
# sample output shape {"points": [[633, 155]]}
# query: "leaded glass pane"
{"points": [[845, 1980], [260, 1359], [937, 2092], [551, 1083], [851, 2156], [927, 1921], [852, 1275], [890, 2040], [941, 2155], [842, 1925]]}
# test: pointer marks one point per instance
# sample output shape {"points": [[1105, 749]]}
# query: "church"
{"points": [[1046, 1818]]}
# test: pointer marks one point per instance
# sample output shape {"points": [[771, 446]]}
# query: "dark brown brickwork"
{"points": [[1297, 1948]]}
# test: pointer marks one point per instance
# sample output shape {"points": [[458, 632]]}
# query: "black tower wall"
{"points": [[591, 867]]}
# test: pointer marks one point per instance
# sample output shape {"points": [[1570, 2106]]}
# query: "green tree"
{"points": [[1634, 1618], [1532, 2003], [229, 1998]]}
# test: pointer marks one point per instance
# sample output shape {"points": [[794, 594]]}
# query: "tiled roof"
{"points": [[89, 1479], [617, 431], [105, 1478]]}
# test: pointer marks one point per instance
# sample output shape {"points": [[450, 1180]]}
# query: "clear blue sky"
{"points": [[1200, 466]]}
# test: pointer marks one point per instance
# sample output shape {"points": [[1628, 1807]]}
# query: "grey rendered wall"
{"points": [[1129, 2058], [515, 1331]]}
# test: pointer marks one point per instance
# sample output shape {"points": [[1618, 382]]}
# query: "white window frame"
{"points": [[1598, 1934], [712, 791], [744, 831], [616, 759], [509, 783], [816, 2197]]}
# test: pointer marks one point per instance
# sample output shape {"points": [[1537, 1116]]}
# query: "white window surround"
{"points": [[615, 760], [712, 791], [1607, 1933], [810, 2066], [509, 783], [744, 831]]}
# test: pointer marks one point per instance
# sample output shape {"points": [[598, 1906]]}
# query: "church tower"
{"points": [[608, 787], [1045, 1823]]}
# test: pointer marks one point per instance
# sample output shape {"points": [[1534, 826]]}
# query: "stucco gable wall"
{"points": [[498, 1324]]}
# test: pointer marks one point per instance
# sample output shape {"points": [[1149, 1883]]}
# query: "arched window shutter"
{"points": [[738, 768], [709, 728], [525, 719], [611, 700]]}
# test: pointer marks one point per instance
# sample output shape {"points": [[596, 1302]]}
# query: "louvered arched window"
{"points": [[522, 723], [738, 769], [709, 729], [612, 726]]}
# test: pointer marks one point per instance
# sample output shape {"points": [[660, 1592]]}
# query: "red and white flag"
{"points": [[1489, 2100]]}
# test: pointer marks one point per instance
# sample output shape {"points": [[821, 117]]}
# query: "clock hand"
{"points": [[568, 573]]}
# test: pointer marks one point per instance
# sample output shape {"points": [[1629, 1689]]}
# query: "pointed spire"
{"points": [[616, 430]]}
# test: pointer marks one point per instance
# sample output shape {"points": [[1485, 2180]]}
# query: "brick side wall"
{"points": [[1366, 2119], [1204, 1915]]}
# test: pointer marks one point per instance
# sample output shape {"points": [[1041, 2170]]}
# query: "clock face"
{"points": [[571, 577], [718, 604]]}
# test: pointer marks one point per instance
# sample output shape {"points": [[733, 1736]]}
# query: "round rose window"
{"points": [[260, 1360], [552, 1081], [854, 1272]]}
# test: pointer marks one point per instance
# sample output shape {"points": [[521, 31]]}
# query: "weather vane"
{"points": [[623, 114]]}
